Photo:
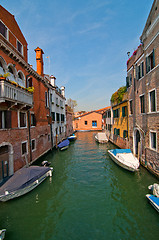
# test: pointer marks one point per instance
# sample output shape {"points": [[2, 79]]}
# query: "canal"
{"points": [[89, 197]]}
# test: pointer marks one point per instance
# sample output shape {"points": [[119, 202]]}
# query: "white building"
{"points": [[57, 111]]}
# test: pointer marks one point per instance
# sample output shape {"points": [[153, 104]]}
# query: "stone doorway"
{"points": [[137, 143]]}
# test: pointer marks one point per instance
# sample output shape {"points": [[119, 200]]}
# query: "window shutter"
{"points": [[153, 57], [146, 64], [136, 71], [142, 69], [127, 82]]}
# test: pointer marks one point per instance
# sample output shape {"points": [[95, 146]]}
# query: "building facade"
{"points": [[90, 121], [143, 94], [26, 103], [120, 122]]}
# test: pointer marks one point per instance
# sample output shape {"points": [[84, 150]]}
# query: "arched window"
{"points": [[12, 73], [21, 79]]}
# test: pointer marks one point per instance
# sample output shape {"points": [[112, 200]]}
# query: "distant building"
{"points": [[107, 117], [69, 120], [89, 121], [143, 94]]}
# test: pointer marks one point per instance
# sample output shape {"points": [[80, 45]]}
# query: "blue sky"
{"points": [[87, 42]]}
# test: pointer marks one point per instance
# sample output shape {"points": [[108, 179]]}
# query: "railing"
{"points": [[10, 92]]}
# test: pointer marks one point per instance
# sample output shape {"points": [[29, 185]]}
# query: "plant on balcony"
{"points": [[5, 75], [30, 89], [118, 95]]}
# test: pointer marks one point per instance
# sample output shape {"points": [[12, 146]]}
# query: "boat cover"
{"points": [[63, 143], [102, 137], [22, 178], [115, 151], [154, 199]]}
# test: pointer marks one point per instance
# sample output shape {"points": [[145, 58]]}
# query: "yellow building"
{"points": [[119, 102]]}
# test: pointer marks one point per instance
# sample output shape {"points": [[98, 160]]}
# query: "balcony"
{"points": [[15, 95]]}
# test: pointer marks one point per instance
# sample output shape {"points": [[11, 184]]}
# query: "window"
{"points": [[46, 99], [124, 111], [19, 47], [76, 125], [29, 82], [62, 117], [150, 61], [116, 113], [131, 107], [24, 148], [129, 80], [125, 134], [57, 117], [94, 123], [22, 117], [5, 119], [33, 146], [53, 116], [142, 103], [49, 138], [85, 122], [3, 29], [140, 71], [152, 101], [116, 131], [153, 140], [109, 114], [33, 119]]}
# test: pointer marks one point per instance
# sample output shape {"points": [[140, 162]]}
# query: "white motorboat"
{"points": [[101, 137], [2, 234], [23, 181], [125, 159]]}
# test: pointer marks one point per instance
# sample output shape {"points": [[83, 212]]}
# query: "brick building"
{"points": [[24, 113], [143, 94]]}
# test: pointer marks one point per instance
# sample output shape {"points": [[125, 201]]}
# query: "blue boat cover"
{"points": [[115, 151], [22, 178], [63, 143], [154, 199]]}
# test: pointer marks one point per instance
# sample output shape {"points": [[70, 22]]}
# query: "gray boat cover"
{"points": [[22, 178]]}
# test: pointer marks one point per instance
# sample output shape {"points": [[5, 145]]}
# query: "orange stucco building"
{"points": [[90, 121]]}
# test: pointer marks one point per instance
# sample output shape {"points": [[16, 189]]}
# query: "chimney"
{"points": [[63, 91], [39, 61], [53, 81]]}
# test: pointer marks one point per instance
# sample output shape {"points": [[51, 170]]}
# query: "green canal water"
{"points": [[89, 197]]}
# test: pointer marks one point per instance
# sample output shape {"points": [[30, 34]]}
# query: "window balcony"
{"points": [[15, 95]]}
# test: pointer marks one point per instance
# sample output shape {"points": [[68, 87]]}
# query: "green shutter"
{"points": [[146, 64]]}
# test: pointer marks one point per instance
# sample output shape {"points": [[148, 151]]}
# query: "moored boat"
{"points": [[23, 181], [101, 137], [72, 137], [2, 234], [124, 158], [154, 201], [63, 145]]}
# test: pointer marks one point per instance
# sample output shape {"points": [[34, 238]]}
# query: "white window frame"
{"points": [[150, 101], [150, 142], [26, 148]]}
